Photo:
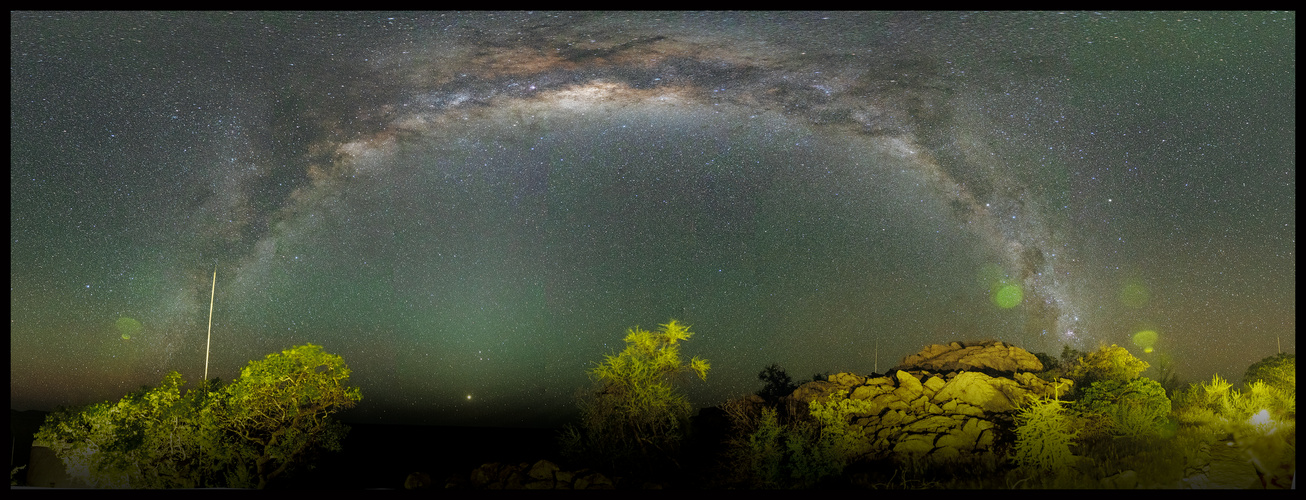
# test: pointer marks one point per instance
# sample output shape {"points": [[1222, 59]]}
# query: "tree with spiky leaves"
{"points": [[634, 416]]}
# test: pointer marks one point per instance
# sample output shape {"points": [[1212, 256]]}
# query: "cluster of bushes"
{"points": [[794, 449], [1116, 420], [1260, 418], [275, 416]]}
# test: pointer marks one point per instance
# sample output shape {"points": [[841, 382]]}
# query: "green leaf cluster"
{"points": [[151, 438], [824, 446], [635, 416], [766, 451], [1279, 371], [1107, 363], [1134, 409], [801, 453], [1262, 419], [1043, 438], [1218, 404], [277, 414]]}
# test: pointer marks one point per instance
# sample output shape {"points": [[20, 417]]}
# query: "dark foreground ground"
{"points": [[382, 456]]}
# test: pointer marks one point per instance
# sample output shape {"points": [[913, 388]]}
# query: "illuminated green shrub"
{"points": [[1107, 363], [1043, 438], [1128, 409], [115, 445], [634, 416], [823, 447], [1262, 419], [275, 416], [1279, 371], [766, 451]]}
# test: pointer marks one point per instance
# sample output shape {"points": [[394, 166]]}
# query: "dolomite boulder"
{"points": [[990, 356], [943, 404]]}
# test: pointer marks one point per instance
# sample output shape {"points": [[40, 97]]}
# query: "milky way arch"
{"points": [[902, 106]]}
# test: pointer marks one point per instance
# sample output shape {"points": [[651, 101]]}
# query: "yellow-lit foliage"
{"points": [[1043, 436], [1218, 405], [635, 412], [823, 446], [1107, 363], [278, 415], [1261, 418]]}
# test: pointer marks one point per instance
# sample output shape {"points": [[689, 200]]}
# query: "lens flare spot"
{"points": [[1008, 296], [1134, 294], [1146, 339], [127, 327]]}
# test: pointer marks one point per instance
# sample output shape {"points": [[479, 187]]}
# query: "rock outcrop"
{"points": [[926, 416], [990, 356]]}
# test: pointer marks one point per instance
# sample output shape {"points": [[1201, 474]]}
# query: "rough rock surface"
{"points": [[542, 475], [990, 356], [930, 417]]}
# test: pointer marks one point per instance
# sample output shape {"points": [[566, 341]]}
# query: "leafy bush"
{"points": [[822, 447], [276, 415], [1069, 357], [122, 445], [1107, 363], [280, 408], [634, 417], [1262, 419], [770, 451], [766, 451], [1043, 438], [1134, 409], [1278, 371]]}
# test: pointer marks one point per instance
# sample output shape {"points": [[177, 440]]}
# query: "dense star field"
{"points": [[473, 208]]}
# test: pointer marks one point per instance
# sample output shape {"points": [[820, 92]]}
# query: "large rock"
{"points": [[847, 379], [814, 390], [990, 356], [976, 389], [943, 405], [909, 387]]}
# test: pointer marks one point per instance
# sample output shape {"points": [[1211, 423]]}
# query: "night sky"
{"points": [[472, 208]]}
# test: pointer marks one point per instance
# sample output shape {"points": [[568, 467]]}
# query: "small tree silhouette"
{"points": [[778, 384]]}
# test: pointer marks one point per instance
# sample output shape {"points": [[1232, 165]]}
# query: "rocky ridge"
{"points": [[923, 414]]}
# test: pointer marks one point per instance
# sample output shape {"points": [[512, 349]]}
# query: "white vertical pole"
{"points": [[210, 341]]}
